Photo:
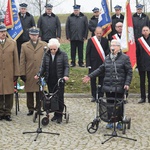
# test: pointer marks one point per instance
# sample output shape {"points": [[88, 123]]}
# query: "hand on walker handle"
{"points": [[126, 87], [65, 78], [86, 79], [36, 77]]}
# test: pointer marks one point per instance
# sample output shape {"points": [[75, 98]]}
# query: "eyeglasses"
{"points": [[114, 45], [53, 49], [119, 26]]}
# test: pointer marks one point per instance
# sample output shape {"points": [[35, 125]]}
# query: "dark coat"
{"points": [[114, 21], [139, 23], [9, 66], [123, 69], [49, 26], [27, 23], [93, 24], [143, 59], [92, 57], [30, 62], [62, 66], [77, 27]]}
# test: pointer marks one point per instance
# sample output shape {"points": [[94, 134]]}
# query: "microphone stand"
{"points": [[39, 129], [114, 133]]}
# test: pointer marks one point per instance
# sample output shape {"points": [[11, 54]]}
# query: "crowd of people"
{"points": [[24, 57]]}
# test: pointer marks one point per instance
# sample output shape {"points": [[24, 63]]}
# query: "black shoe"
{"points": [[30, 113], [72, 65], [59, 120], [142, 101], [93, 100], [54, 118], [2, 117], [81, 65], [8, 118]]}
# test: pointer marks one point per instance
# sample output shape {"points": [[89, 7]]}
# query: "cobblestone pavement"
{"points": [[74, 135]]}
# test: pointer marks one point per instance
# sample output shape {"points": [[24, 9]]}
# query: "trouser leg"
{"points": [[30, 101], [73, 52], [8, 104], [1, 105], [142, 84], [148, 77], [80, 52]]}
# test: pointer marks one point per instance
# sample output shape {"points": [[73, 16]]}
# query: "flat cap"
{"points": [[23, 5], [34, 31], [95, 9], [117, 7], [3, 27], [139, 6]]}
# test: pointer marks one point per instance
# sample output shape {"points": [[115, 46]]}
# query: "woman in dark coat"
{"points": [[117, 76], [55, 66]]}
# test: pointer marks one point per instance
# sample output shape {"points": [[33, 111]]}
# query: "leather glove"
{"points": [[23, 78], [15, 78]]}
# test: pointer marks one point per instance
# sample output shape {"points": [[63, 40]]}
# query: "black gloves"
{"points": [[15, 78], [23, 78]]}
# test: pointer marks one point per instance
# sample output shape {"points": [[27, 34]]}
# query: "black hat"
{"points": [[76, 6], [3, 27], [34, 31], [139, 6], [49, 6], [95, 9], [23, 5], [117, 7]]}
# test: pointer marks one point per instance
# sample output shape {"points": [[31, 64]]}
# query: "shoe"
{"points": [[142, 101], [81, 65], [8, 118], [109, 126], [30, 113], [119, 126], [72, 65], [93, 99], [59, 120], [54, 118]]}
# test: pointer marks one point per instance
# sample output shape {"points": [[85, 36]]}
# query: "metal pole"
{"points": [[74, 2], [110, 5]]}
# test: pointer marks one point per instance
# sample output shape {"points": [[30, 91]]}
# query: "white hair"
{"points": [[117, 42], [53, 41]]}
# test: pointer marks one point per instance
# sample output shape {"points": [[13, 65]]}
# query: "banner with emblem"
{"points": [[16, 30], [127, 38], [104, 19], [8, 21]]}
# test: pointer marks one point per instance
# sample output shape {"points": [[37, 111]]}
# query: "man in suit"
{"points": [[30, 61], [27, 22], [9, 71], [143, 62], [96, 50]]}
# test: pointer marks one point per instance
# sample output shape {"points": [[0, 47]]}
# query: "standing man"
{"points": [[139, 21], [143, 62], [30, 61], [117, 17], [76, 33], [94, 20], [96, 50], [27, 22], [118, 28], [49, 25], [9, 71]]}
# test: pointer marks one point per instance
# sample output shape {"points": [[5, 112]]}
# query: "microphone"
{"points": [[112, 50]]}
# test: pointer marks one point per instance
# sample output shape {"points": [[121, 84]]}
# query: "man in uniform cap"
{"points": [[117, 17], [139, 21], [27, 22], [9, 71], [49, 25], [94, 20], [76, 33], [30, 61]]}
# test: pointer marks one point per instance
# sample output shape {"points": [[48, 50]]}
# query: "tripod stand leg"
{"points": [[127, 138], [107, 139]]}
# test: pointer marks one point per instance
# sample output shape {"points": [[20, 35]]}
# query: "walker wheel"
{"points": [[34, 117], [67, 117], [45, 121], [93, 126], [129, 123], [123, 128]]}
